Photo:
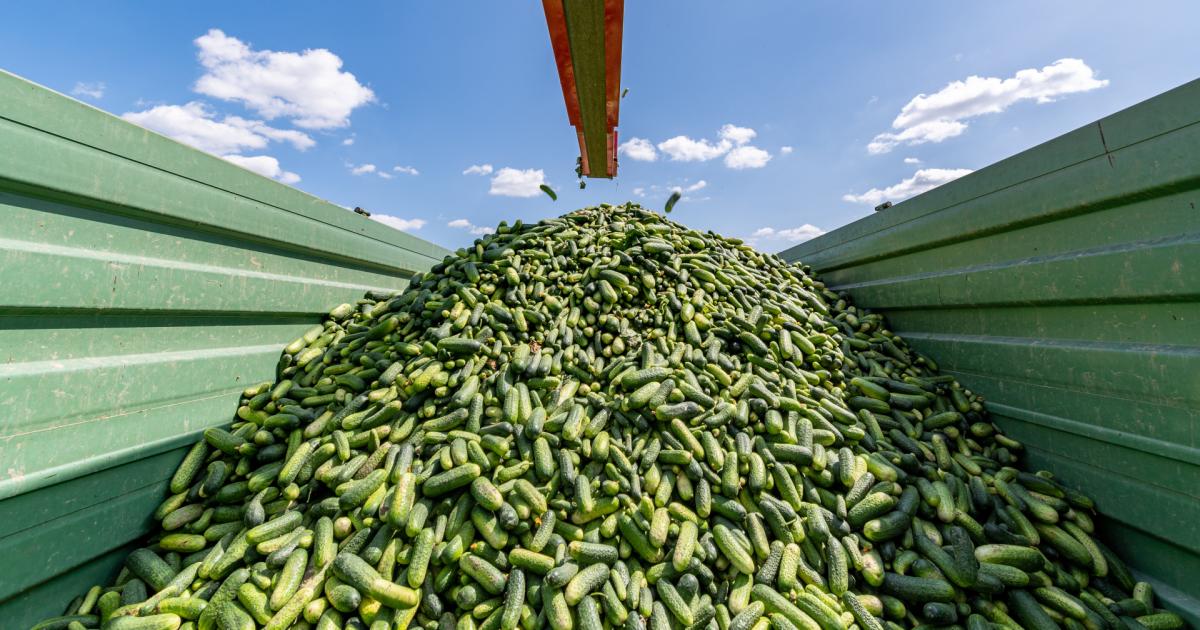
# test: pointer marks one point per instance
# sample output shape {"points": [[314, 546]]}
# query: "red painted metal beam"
{"points": [[613, 26]]}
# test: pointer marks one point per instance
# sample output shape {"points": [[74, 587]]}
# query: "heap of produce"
{"points": [[606, 420]]}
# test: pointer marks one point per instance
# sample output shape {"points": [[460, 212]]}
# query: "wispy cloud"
{"points": [[363, 169], [404, 225], [938, 116], [196, 124], [93, 89], [792, 235], [407, 170], [229, 137], [478, 169], [923, 180], [464, 224], [264, 165]]}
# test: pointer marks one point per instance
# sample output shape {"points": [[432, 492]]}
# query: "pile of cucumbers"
{"points": [[607, 420]]}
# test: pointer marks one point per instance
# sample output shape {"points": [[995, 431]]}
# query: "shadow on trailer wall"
{"points": [[143, 286], [1063, 284]]}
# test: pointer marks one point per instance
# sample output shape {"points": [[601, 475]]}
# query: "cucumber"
{"points": [[189, 467], [531, 561], [483, 572], [1065, 544], [422, 550], [288, 581], [917, 589], [514, 597], [165, 621], [146, 564], [584, 582], [674, 602], [748, 616], [1026, 609], [1027, 559]]}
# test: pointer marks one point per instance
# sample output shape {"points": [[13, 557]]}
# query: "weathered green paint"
{"points": [[143, 284], [585, 28], [1064, 285]]}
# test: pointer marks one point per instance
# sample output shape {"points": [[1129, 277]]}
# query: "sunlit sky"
{"points": [[777, 120]]}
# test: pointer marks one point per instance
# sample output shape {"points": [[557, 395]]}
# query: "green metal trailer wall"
{"points": [[1063, 284], [143, 284]]}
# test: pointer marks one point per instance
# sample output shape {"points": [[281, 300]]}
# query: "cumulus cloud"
{"points": [[348, 141], [785, 150], [747, 157], [94, 89], [298, 139], [309, 87], [737, 135], [512, 182], [639, 191], [912, 160], [793, 235], [264, 165], [685, 149], [923, 180], [733, 143], [691, 188], [407, 170], [639, 149], [363, 169], [478, 169], [938, 116], [195, 124], [404, 225], [464, 224]]}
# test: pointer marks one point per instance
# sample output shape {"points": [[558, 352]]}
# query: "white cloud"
{"points": [[478, 169], [308, 87], [794, 235], [639, 149], [639, 191], [384, 174], [785, 150], [697, 186], [923, 180], [197, 125], [404, 225], [93, 89], [747, 157], [512, 182], [464, 224], [733, 144], [936, 117], [737, 135], [684, 149], [264, 165], [348, 141], [362, 169], [407, 170], [912, 160], [298, 139]]}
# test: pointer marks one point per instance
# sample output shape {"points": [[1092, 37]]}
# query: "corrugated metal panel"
{"points": [[143, 284], [1064, 284]]}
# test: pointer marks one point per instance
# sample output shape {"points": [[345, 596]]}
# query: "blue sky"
{"points": [[439, 87]]}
